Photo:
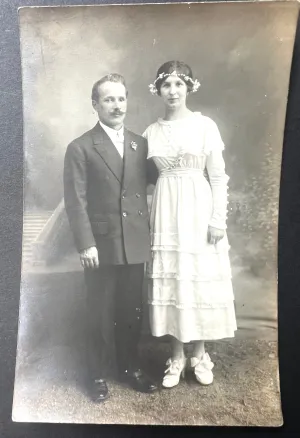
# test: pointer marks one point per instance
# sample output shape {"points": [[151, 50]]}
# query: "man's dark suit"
{"points": [[106, 203]]}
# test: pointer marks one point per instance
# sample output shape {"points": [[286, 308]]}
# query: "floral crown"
{"points": [[195, 83]]}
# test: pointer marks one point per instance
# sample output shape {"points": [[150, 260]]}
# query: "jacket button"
{"points": [[140, 213], [137, 195], [124, 213]]}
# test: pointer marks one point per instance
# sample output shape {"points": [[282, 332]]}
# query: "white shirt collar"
{"points": [[112, 132]]}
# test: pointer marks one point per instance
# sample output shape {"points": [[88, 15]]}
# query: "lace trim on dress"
{"points": [[193, 251], [183, 306], [193, 278]]}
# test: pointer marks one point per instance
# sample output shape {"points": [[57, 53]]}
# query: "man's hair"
{"points": [[113, 77]]}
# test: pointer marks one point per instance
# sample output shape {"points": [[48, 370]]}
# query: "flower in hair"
{"points": [[152, 89], [195, 83]]}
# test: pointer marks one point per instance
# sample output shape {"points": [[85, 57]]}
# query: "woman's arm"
{"points": [[218, 182], [218, 179]]}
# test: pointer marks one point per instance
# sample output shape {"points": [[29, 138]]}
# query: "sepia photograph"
{"points": [[152, 139]]}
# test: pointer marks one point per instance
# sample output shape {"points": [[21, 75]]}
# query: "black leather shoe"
{"points": [[99, 391], [141, 383]]}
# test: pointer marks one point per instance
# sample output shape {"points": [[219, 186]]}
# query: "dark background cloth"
{"points": [[243, 89], [11, 231]]}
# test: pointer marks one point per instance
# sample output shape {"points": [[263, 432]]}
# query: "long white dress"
{"points": [[190, 293]]}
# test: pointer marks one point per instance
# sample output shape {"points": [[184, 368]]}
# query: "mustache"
{"points": [[117, 113]]}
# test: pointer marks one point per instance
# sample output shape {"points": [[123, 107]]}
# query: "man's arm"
{"points": [[152, 172], [75, 184]]}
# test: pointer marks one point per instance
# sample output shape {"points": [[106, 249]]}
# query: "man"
{"points": [[105, 188]]}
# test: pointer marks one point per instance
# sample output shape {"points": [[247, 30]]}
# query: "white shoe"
{"points": [[175, 369], [203, 369]]}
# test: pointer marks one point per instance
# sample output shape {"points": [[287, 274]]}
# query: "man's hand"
{"points": [[214, 235], [89, 258]]}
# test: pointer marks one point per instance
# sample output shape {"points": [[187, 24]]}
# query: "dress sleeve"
{"points": [[146, 133], [218, 179]]}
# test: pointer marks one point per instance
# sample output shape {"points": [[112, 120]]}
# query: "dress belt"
{"points": [[180, 171]]}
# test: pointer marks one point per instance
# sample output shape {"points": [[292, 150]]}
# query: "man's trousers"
{"points": [[114, 317]]}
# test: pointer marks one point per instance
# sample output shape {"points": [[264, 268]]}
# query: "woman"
{"points": [[191, 297]]}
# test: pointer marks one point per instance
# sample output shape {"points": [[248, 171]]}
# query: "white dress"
{"points": [[190, 293]]}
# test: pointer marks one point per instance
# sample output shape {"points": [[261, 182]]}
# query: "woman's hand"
{"points": [[214, 235]]}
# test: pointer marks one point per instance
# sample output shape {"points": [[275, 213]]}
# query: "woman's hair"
{"points": [[168, 67]]}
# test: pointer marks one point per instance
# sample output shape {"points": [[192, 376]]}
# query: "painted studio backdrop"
{"points": [[241, 55]]}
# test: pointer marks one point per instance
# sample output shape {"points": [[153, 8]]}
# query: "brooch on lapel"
{"points": [[133, 145]]}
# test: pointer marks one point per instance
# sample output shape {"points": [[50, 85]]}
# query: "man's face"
{"points": [[112, 104]]}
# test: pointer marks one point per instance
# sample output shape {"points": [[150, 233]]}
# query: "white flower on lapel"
{"points": [[133, 145]]}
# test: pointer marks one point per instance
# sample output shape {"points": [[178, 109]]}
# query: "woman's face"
{"points": [[173, 92]]}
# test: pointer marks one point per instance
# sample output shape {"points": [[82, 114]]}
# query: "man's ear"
{"points": [[94, 103]]}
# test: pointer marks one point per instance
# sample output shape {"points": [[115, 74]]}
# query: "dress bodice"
{"points": [[183, 143], [188, 147]]}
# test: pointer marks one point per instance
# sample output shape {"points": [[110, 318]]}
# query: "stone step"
{"points": [[33, 233], [38, 213], [33, 223], [29, 220], [29, 224], [31, 229]]}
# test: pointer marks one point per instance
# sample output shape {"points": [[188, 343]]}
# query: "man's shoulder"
{"points": [[84, 139]]}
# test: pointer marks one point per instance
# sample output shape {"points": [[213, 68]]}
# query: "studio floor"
{"points": [[50, 374], [245, 391]]}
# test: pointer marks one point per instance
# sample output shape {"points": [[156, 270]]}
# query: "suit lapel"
{"points": [[130, 154], [108, 152]]}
